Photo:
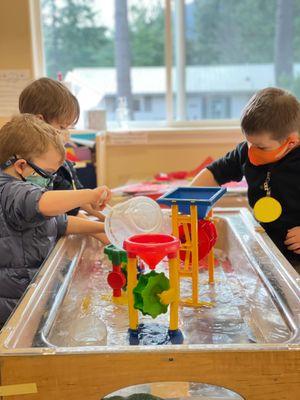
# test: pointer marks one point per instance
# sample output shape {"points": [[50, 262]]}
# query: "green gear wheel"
{"points": [[146, 292]]}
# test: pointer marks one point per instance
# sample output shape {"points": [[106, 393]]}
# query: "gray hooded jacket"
{"points": [[26, 238]]}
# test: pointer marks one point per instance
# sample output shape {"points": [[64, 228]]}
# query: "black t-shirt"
{"points": [[66, 179], [284, 183]]}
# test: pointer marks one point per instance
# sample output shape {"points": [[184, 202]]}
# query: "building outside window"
{"points": [[148, 103]]}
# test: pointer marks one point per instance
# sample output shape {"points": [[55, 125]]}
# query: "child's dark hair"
{"points": [[51, 99], [271, 110]]}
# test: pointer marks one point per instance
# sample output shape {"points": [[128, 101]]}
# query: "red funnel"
{"points": [[152, 248]]}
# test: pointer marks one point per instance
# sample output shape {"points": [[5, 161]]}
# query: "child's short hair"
{"points": [[51, 99], [27, 136], [271, 110]]}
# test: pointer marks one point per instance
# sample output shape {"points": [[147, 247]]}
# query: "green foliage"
{"points": [[223, 32], [232, 32], [72, 38], [147, 35]]}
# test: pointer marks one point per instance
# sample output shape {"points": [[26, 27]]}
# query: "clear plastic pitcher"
{"points": [[137, 215]]}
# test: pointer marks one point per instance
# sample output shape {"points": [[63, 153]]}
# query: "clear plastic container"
{"points": [[137, 215]]}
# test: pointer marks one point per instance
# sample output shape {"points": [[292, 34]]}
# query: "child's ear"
{"points": [[20, 165], [40, 116]]}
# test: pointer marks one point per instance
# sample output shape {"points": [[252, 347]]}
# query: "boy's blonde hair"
{"points": [[26, 136], [51, 99]]}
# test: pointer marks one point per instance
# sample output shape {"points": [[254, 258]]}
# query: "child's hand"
{"points": [[102, 195], [292, 240], [102, 237]]}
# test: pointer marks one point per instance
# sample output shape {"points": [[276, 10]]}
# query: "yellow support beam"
{"points": [[211, 257], [174, 284], [195, 256], [131, 284]]}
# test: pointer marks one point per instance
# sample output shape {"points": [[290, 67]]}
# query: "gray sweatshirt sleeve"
{"points": [[19, 201], [62, 223]]}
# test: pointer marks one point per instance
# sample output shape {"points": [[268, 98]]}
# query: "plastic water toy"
{"points": [[153, 292], [192, 223], [138, 215], [117, 277]]}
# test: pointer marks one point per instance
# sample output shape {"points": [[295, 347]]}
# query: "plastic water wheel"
{"points": [[207, 237], [146, 293]]}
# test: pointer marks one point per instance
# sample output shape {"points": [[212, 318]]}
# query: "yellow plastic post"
{"points": [[211, 267], [175, 225], [195, 257], [131, 284], [174, 284], [211, 259], [187, 245]]}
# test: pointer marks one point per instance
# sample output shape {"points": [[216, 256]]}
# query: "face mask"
{"points": [[261, 157], [39, 181], [40, 177]]}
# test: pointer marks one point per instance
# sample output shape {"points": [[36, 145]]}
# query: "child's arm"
{"points": [[204, 178], [99, 236], [83, 226], [86, 226], [225, 169], [98, 214], [57, 202]]}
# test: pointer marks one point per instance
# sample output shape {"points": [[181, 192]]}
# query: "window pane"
{"points": [[234, 48], [104, 64]]}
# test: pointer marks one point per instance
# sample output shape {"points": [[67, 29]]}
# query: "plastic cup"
{"points": [[132, 217]]}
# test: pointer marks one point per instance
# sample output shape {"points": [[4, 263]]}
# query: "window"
{"points": [[225, 51], [218, 53], [107, 54]]}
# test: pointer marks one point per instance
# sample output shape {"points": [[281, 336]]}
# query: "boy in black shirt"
{"points": [[270, 161]]}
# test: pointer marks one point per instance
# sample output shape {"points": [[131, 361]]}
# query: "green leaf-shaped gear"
{"points": [[146, 292]]}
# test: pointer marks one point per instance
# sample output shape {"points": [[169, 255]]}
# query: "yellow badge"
{"points": [[267, 209]]}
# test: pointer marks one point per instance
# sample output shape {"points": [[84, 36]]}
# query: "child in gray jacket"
{"points": [[32, 217]]}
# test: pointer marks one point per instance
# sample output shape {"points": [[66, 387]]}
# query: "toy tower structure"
{"points": [[190, 206]]}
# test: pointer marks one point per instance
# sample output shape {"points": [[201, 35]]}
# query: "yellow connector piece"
{"points": [[167, 297]]}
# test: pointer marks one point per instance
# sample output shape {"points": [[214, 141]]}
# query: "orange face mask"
{"points": [[261, 157]]}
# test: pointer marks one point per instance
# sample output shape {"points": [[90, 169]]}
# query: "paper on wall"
{"points": [[12, 82]]}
